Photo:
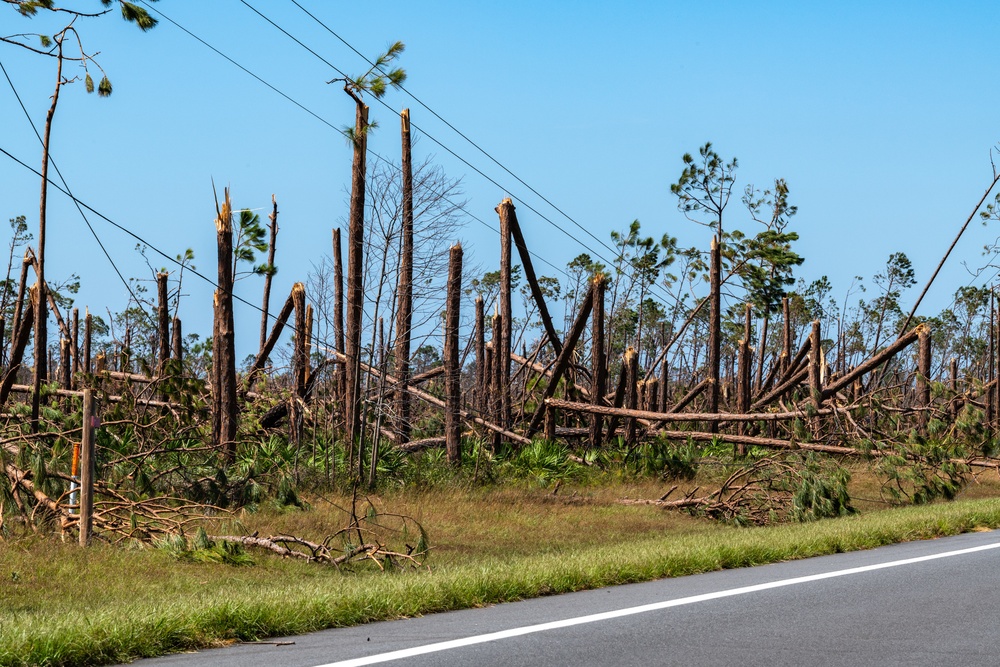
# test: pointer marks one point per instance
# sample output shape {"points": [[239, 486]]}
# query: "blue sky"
{"points": [[881, 116]]}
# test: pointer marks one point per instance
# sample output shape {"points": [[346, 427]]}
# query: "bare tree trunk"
{"points": [[990, 372], [65, 363], [404, 312], [743, 388], [815, 374], [225, 413], [759, 376], [953, 406], [786, 336], [299, 364], [481, 365], [88, 324], [562, 361], [508, 218], [163, 324], [715, 327], [631, 370], [177, 342], [503, 352], [266, 302], [923, 377], [19, 301], [340, 372], [87, 468], [355, 289], [19, 342], [75, 342], [41, 314], [496, 380], [598, 356], [452, 365]]}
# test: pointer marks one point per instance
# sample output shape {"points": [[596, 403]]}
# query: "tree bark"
{"points": [[453, 367], [923, 377], [715, 325], [563, 360], [506, 313], [225, 414], [355, 292], [163, 325], [404, 311], [506, 209], [266, 301], [598, 355]]}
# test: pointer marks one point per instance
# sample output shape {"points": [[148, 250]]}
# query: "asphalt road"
{"points": [[922, 603]]}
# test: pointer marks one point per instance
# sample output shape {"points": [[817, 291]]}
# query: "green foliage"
{"points": [[821, 491], [542, 462], [251, 238], [922, 471], [204, 550], [376, 80], [135, 14], [667, 460], [705, 186]]}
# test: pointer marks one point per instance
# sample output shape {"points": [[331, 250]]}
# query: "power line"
{"points": [[654, 289], [312, 113], [66, 185], [453, 128]]}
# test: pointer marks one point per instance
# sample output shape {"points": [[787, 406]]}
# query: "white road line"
{"points": [[618, 613]]}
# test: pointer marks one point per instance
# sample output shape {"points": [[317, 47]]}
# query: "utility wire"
{"points": [[341, 131], [654, 288], [66, 186], [454, 129]]}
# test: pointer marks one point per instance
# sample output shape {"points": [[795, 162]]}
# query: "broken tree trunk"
{"points": [[452, 364], [480, 348], [163, 325], [176, 342], [599, 369], [715, 325], [680, 417], [225, 410], [506, 209], [873, 362], [404, 310], [355, 291], [88, 324], [563, 360], [340, 374], [503, 351], [923, 377], [630, 366], [22, 332], [815, 374], [269, 273]]}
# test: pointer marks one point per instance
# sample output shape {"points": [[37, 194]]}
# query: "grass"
{"points": [[61, 605]]}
